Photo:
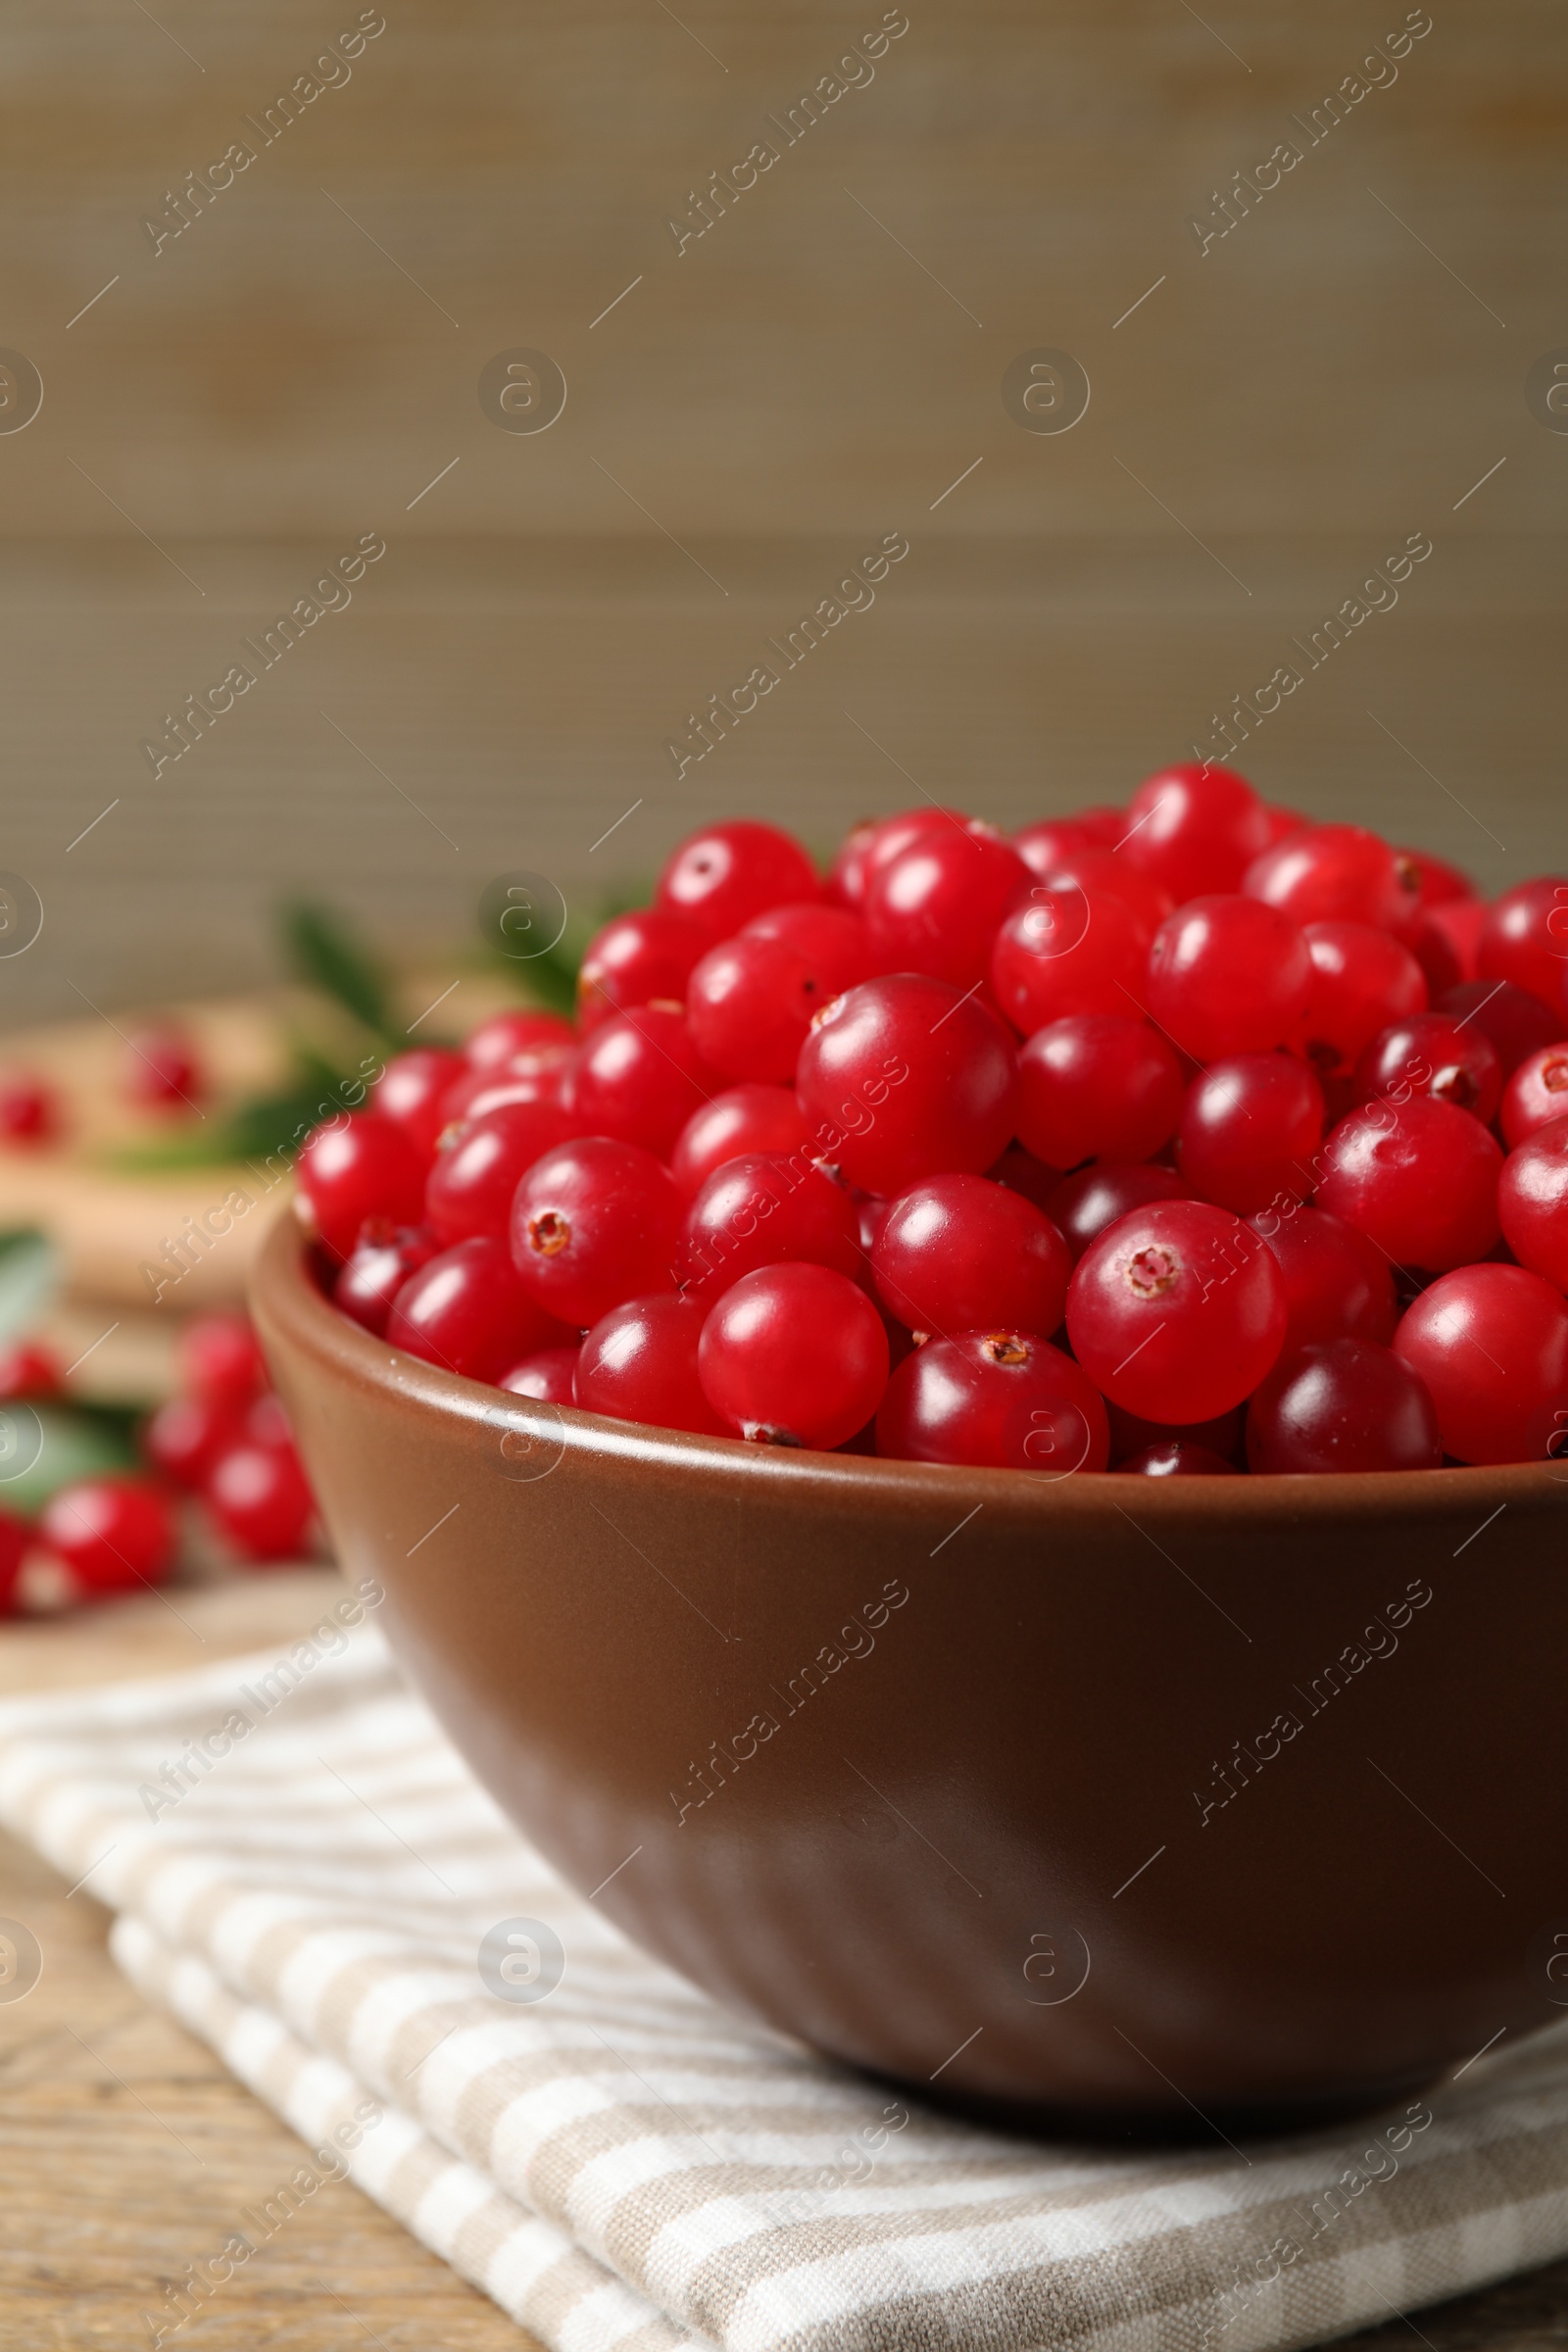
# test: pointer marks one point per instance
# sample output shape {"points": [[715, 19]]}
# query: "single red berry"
{"points": [[875, 842], [751, 1002], [1440, 883], [903, 1078], [220, 1357], [594, 1224], [1176, 1458], [794, 1355], [638, 959], [639, 1363], [1337, 1285], [1442, 964], [1131, 1434], [537, 1074], [160, 1068], [960, 1253], [1532, 1201], [383, 1259], [1432, 1054], [493, 1043], [262, 1500], [1021, 1172], [1281, 821], [1049, 843], [936, 908], [1177, 1311], [744, 1118], [478, 1166], [356, 1168], [996, 1398], [838, 941], [1196, 829], [1458, 923], [14, 1537], [726, 873], [1068, 951], [29, 1110], [1113, 875], [1336, 875], [549, 1374], [639, 1077], [1491, 1343], [1525, 939], [1342, 1405], [185, 1436], [1537, 1093], [468, 1310], [1099, 1086], [1106, 826], [762, 1210], [1362, 981], [1248, 1129], [114, 1533], [1083, 1205], [30, 1369], [411, 1090], [1517, 1023], [1228, 975], [1419, 1179]]}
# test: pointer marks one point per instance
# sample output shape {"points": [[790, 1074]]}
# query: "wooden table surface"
{"points": [[127, 2151]]}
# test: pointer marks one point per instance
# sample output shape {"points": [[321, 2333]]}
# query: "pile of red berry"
{"points": [[224, 1440], [1173, 1137]]}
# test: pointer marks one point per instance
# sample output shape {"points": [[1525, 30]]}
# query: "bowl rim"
{"points": [[284, 1292]]}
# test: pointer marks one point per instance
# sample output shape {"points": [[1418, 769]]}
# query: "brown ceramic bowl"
{"points": [[1128, 1799]]}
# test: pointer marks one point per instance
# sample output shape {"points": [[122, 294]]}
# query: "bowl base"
{"points": [[1219, 2126]]}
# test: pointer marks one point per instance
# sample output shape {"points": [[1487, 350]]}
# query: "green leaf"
{"points": [[29, 1272], [323, 953], [47, 1446]]}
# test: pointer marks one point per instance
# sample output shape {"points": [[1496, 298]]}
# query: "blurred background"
{"points": [[1151, 332]]}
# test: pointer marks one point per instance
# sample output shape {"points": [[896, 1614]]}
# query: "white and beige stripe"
{"points": [[623, 2166]]}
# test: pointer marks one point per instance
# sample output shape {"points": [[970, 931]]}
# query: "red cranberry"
{"points": [[903, 1078], [1196, 829], [29, 1110], [1096, 1087], [549, 1374], [1068, 951], [1106, 827], [497, 1040], [637, 958], [794, 1355], [639, 1077], [959, 1253], [1432, 1054], [384, 1256], [639, 1363], [1002, 1399], [1228, 975], [220, 1357], [1177, 1311], [1536, 1094], [356, 1168], [1021, 1172], [1420, 1180], [28, 1369], [838, 941], [1457, 923], [1112, 875], [1362, 981], [1525, 939], [1282, 822], [1176, 1458], [478, 1168], [1334, 874], [160, 1068], [726, 873], [1083, 1205], [751, 1002], [14, 1537], [1517, 1023], [876, 841], [934, 908], [593, 1224], [262, 1500], [1248, 1129], [759, 1210], [114, 1533], [468, 1310], [537, 1074], [1442, 966], [1342, 1405], [1050, 842], [411, 1090], [1532, 1201], [186, 1434], [1337, 1285], [1491, 1343], [1440, 883], [1131, 1434], [744, 1118]]}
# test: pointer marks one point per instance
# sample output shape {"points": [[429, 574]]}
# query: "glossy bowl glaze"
{"points": [[1132, 1800]]}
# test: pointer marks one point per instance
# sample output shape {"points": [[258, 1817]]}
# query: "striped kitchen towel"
{"points": [[306, 1874]]}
